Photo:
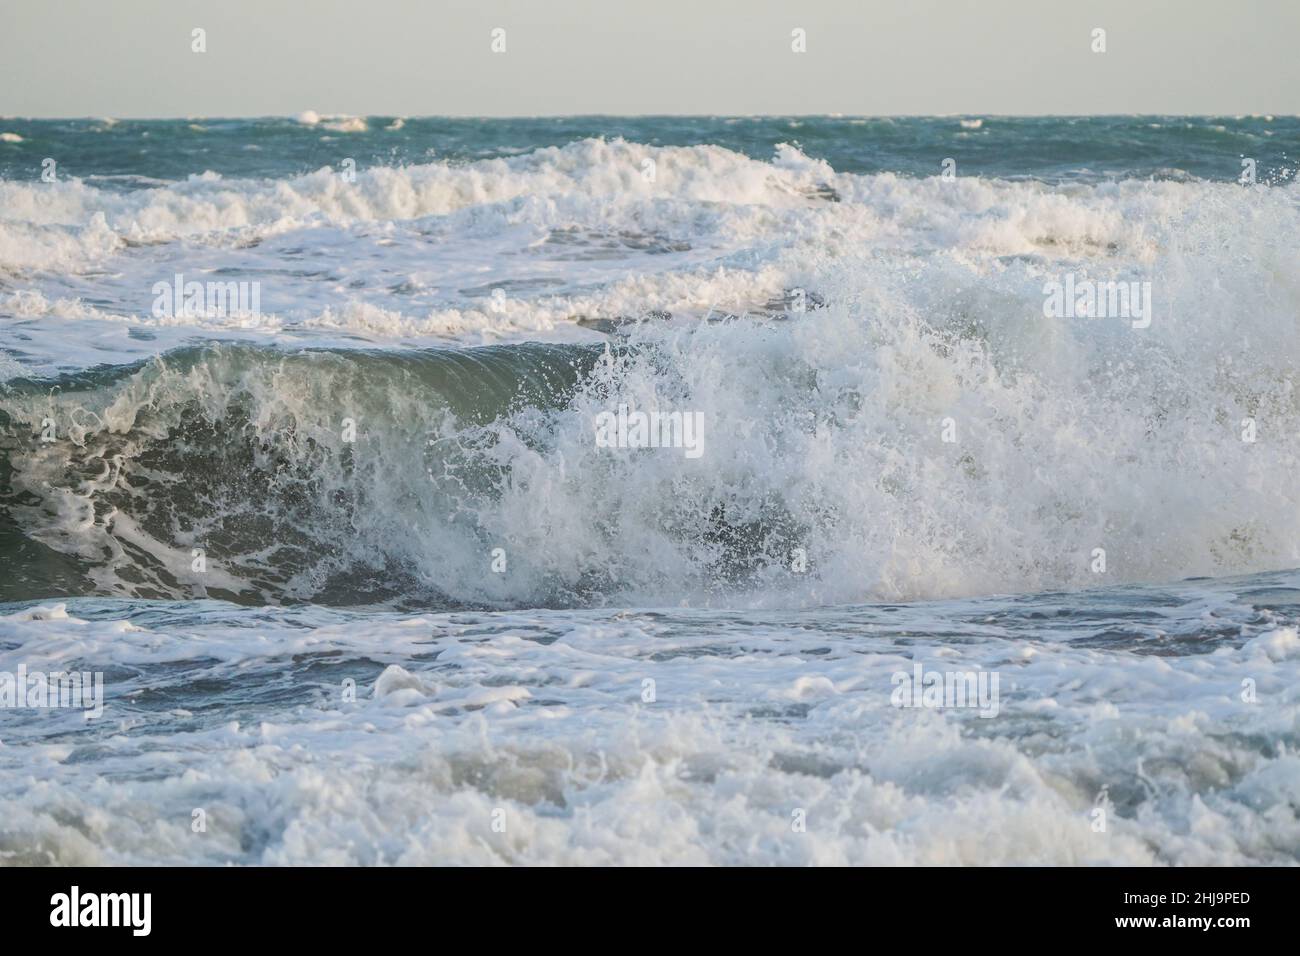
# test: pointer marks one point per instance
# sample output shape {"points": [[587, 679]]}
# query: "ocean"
{"points": [[610, 490]]}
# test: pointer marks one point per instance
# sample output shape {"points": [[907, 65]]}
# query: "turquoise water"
{"points": [[1048, 148]]}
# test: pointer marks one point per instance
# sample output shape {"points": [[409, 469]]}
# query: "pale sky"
{"points": [[133, 58]]}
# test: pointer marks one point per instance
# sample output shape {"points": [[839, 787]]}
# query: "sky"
{"points": [[134, 58]]}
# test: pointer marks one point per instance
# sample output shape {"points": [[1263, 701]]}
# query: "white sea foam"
{"points": [[825, 435], [542, 718], [827, 430], [580, 230], [1070, 435]]}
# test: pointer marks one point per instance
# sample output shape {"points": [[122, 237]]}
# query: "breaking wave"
{"points": [[920, 430]]}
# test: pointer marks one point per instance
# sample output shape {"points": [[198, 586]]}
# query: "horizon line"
{"points": [[707, 115]]}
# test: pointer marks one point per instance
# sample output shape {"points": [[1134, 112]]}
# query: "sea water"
{"points": [[299, 455]]}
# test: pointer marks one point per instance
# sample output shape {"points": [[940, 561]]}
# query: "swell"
{"points": [[914, 437], [827, 473], [296, 474]]}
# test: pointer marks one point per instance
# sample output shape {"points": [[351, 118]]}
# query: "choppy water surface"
{"points": [[363, 588]]}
